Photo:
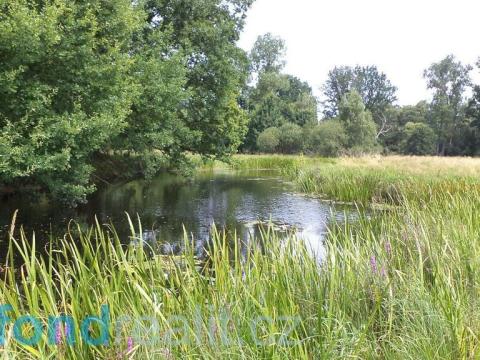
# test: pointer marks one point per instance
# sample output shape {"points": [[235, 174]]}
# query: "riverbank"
{"points": [[402, 283]]}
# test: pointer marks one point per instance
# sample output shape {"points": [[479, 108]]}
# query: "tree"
{"points": [[373, 86], [473, 109], [448, 79], [159, 78], [473, 114], [66, 90], [359, 125], [268, 54], [326, 139], [291, 139], [300, 104], [278, 99], [419, 139], [206, 32], [269, 140], [398, 117], [265, 106], [155, 128]]}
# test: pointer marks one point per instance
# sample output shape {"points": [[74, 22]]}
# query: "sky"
{"points": [[401, 37]]}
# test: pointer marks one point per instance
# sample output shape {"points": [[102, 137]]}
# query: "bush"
{"points": [[291, 138], [327, 139], [269, 140]]}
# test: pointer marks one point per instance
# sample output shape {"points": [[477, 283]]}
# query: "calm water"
{"points": [[236, 201]]}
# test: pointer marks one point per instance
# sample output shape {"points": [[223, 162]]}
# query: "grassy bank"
{"points": [[397, 284], [375, 179]]}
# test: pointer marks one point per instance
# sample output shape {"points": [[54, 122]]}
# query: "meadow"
{"points": [[400, 281]]}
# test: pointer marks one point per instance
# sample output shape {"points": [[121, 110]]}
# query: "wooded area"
{"points": [[359, 113]]}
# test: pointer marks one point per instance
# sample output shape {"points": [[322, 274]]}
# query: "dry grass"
{"points": [[415, 165]]}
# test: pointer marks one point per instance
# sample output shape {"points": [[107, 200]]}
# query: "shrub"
{"points": [[269, 140], [291, 138], [327, 139]]}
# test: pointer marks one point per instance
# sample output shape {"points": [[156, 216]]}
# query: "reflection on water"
{"points": [[234, 201]]}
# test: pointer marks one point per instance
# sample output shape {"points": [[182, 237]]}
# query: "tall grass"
{"points": [[374, 186], [396, 284], [372, 179], [86, 270]]}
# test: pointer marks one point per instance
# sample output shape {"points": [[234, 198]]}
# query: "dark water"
{"points": [[236, 201]]}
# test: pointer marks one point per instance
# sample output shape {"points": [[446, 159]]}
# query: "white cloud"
{"points": [[401, 37]]}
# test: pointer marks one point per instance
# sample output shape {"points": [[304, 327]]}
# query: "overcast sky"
{"points": [[401, 37]]}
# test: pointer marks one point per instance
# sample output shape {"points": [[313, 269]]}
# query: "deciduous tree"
{"points": [[268, 54], [448, 79], [278, 99], [419, 139], [359, 125], [373, 86], [66, 89]]}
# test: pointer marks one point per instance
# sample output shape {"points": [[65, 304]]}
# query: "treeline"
{"points": [[359, 112], [159, 79]]}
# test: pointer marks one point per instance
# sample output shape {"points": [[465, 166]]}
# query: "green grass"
{"points": [[88, 270], [396, 284]]}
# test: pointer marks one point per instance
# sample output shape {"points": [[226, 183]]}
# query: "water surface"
{"points": [[235, 201]]}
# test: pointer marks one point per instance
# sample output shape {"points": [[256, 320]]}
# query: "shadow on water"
{"points": [[237, 202]]}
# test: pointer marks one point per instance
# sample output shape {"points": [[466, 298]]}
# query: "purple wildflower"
{"points": [[383, 272], [373, 264], [58, 334], [68, 330], [388, 248], [129, 344]]}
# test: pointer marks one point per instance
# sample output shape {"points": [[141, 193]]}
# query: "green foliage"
{"points": [[448, 79], [268, 54], [359, 125], [234, 126], [65, 90], [158, 79], [376, 91], [206, 32], [473, 113], [291, 138], [326, 139], [473, 110], [452, 119], [398, 117], [300, 105], [419, 139], [276, 100], [269, 140], [155, 125]]}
